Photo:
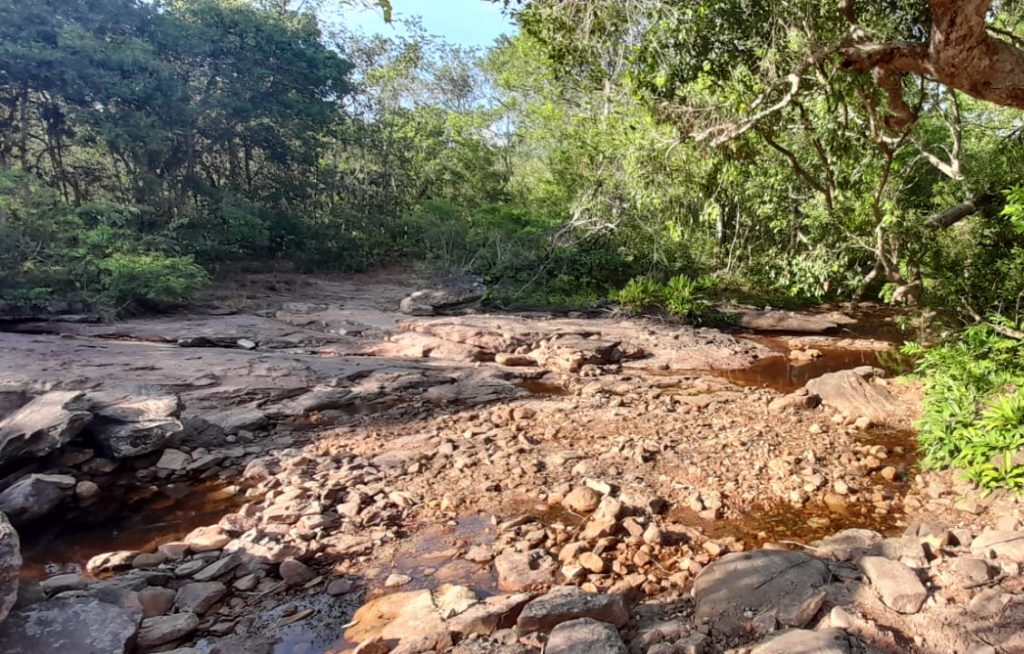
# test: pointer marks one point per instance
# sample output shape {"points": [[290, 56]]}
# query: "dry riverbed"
{"points": [[297, 467]]}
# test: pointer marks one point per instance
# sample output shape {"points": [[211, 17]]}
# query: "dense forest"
{"points": [[655, 154]]}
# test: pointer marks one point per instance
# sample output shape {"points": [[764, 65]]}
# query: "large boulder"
{"points": [[448, 294], [897, 585], [34, 496], [798, 641], [855, 394], [10, 565], [135, 422], [744, 589], [584, 636], [565, 603], [43, 425], [80, 625]]}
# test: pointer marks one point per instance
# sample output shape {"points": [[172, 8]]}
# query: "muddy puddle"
{"points": [[784, 375], [66, 545]]}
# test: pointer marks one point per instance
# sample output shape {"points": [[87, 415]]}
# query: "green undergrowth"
{"points": [[973, 415]]}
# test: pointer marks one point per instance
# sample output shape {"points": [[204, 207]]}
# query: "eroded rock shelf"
{"points": [[314, 471]]}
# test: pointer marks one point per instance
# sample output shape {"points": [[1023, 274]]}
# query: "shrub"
{"points": [[131, 279], [681, 296], [973, 415], [639, 294]]}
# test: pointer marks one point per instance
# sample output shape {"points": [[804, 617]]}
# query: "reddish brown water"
{"points": [[786, 376], [66, 545]]}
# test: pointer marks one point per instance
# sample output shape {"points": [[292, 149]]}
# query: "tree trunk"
{"points": [[961, 54]]}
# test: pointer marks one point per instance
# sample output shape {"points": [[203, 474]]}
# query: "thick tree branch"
{"points": [[962, 53], [953, 215]]}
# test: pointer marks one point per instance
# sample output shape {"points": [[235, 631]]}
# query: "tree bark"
{"points": [[961, 53], [953, 215]]}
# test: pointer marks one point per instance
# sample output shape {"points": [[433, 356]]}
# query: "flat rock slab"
{"points": [[566, 603], [82, 625], [788, 585], [584, 636], [786, 321], [854, 395], [896, 584], [43, 425], [799, 641]]}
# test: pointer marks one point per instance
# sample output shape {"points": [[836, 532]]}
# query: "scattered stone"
{"points": [[111, 562], [218, 568], [564, 603], [61, 583], [86, 491], [582, 499], [207, 539], [584, 636], [198, 597], [338, 587], [166, 629], [79, 625], [519, 571], [896, 584], [172, 459], [296, 573], [156, 601]]}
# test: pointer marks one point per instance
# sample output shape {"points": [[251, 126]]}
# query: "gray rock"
{"points": [[584, 636], [166, 629], [855, 396], [80, 625], [1004, 544], [10, 566], [569, 603], [62, 583], [219, 567], [741, 587], [490, 615], [234, 420], [519, 571], [798, 641], [896, 584], [135, 422], [122, 440], [172, 459], [43, 425], [34, 496], [849, 544], [448, 294], [295, 573], [198, 597]]}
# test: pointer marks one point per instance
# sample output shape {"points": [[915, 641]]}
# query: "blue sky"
{"points": [[462, 22]]}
